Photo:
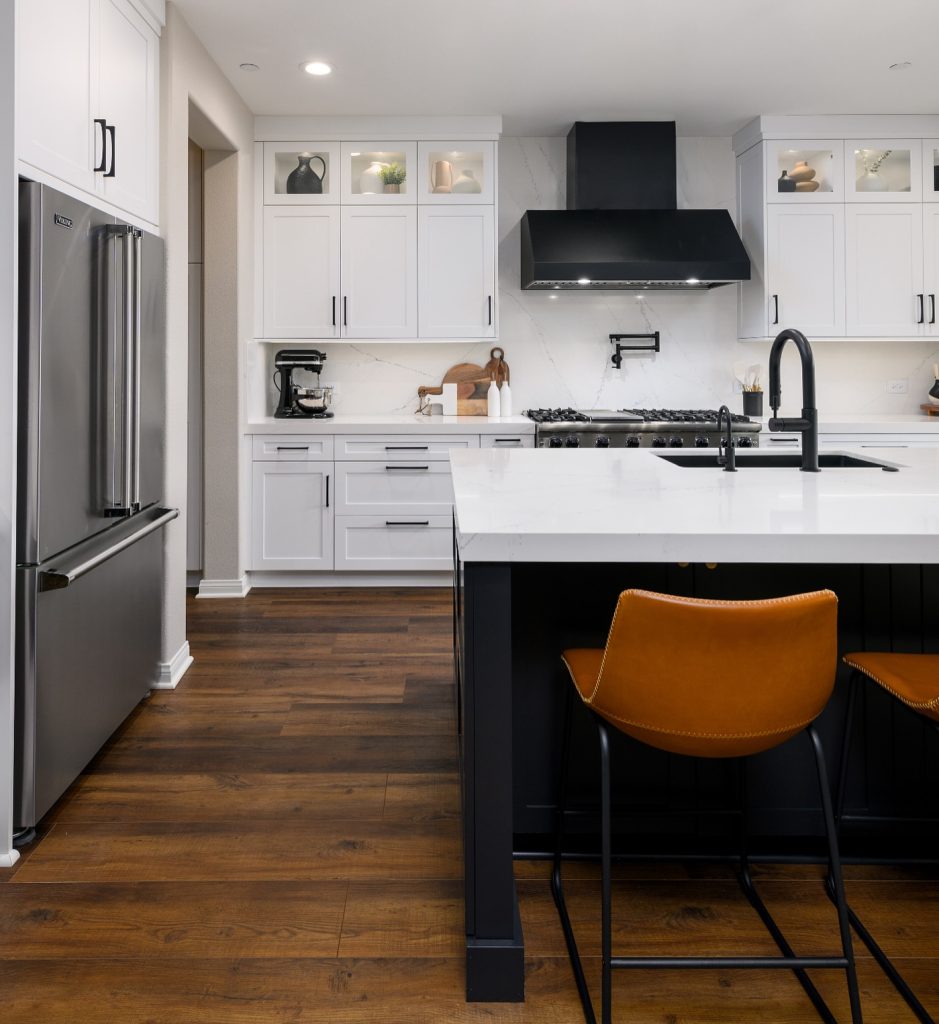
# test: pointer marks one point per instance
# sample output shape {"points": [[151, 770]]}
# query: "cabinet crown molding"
{"points": [[835, 126], [277, 128]]}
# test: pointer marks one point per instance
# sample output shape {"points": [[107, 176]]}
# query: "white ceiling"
{"points": [[709, 64]]}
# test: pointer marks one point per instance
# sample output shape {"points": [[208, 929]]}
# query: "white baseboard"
{"points": [[224, 588], [173, 670], [351, 579], [8, 859]]}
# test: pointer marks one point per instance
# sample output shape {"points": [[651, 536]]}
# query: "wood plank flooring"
{"points": [[278, 841]]}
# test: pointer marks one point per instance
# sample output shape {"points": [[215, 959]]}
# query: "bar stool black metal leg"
{"points": [[745, 880], [853, 686], [606, 1009], [556, 887], [835, 876]]}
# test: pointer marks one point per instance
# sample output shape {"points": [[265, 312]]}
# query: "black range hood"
{"points": [[622, 229]]}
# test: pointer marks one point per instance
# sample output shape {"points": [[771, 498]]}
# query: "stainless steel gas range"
{"points": [[637, 428]]}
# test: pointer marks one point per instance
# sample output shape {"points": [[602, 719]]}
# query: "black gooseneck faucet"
{"points": [[807, 426], [727, 453]]}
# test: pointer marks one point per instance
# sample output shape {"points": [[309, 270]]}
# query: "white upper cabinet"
{"points": [[455, 173], [883, 171], [805, 269], [128, 69], [457, 272], [884, 260], [379, 272], [378, 173], [931, 170], [88, 100], [931, 266], [55, 130], [301, 272]]}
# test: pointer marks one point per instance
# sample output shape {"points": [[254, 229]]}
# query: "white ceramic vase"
{"points": [[466, 184], [370, 182], [871, 182]]}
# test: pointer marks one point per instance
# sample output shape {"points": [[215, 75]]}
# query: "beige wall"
{"points": [[197, 101]]}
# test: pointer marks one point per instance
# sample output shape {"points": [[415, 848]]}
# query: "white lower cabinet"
{"points": [[291, 517], [395, 487], [400, 543], [507, 441]]}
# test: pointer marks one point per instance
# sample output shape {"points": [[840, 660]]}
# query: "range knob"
{"points": [[602, 441], [701, 441], [632, 441], [659, 442], [555, 442], [675, 441], [744, 441], [572, 441]]}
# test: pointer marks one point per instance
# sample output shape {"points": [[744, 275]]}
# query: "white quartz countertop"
{"points": [[912, 423], [617, 505], [390, 423]]}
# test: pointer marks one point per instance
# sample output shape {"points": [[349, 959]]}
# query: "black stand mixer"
{"points": [[296, 401]]}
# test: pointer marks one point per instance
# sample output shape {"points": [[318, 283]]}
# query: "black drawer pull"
{"points": [[406, 467], [293, 447], [508, 440], [407, 447], [403, 522], [327, 490]]}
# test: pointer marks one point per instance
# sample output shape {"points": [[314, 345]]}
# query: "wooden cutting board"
{"points": [[472, 383]]}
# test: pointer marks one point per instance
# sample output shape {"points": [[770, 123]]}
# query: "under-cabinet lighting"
{"points": [[316, 67], [692, 280], [583, 280]]}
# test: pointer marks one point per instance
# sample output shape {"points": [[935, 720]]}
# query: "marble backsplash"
{"points": [[557, 344]]}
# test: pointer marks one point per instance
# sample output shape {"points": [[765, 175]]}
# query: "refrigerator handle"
{"points": [[90, 555], [127, 454], [138, 266]]}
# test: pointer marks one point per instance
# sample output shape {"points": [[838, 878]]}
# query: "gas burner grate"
{"points": [[682, 415], [556, 416]]}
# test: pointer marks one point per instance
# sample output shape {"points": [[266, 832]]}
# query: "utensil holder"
{"points": [[753, 403]]}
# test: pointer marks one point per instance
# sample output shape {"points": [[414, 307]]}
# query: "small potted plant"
{"points": [[393, 175]]}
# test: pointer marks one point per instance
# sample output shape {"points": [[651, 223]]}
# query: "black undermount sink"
{"points": [[788, 460]]}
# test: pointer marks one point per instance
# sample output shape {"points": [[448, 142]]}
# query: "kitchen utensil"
{"points": [[497, 365]]}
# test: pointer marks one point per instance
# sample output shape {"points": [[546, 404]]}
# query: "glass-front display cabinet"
{"points": [[931, 170], [883, 170], [455, 172], [300, 173], [804, 171], [379, 173]]}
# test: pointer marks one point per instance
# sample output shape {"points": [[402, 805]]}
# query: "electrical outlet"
{"points": [[900, 386]]}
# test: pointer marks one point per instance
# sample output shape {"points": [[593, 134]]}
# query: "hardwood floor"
{"points": [[278, 840]]}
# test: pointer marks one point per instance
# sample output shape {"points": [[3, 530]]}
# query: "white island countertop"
{"points": [[585, 505]]}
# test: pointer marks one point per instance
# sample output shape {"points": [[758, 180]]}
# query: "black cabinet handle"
{"points": [[932, 307], [112, 131], [334, 311], [490, 311], [327, 490], [922, 309], [776, 309], [406, 467], [402, 522], [407, 447], [345, 311], [103, 162], [293, 447]]}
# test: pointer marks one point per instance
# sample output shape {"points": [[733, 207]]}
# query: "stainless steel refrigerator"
{"points": [[90, 479]]}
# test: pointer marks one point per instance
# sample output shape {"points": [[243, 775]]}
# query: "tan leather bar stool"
{"points": [[912, 680], [717, 679]]}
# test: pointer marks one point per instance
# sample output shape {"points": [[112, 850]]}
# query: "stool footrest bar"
{"points": [[732, 962]]}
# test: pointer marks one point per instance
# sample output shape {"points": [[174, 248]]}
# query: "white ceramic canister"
{"points": [[493, 405]]}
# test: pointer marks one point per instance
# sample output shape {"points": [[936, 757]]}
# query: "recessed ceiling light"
{"points": [[316, 67], [583, 280], [903, 65], [249, 67]]}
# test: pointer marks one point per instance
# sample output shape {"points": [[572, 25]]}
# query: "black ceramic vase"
{"points": [[303, 180], [934, 390]]}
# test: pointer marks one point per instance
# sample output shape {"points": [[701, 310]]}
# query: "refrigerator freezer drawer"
{"points": [[87, 653]]}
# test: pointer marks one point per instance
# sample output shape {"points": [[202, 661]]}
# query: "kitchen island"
{"points": [[545, 541]]}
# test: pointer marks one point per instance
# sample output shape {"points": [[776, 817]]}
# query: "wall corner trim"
{"points": [[170, 672], [224, 588]]}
